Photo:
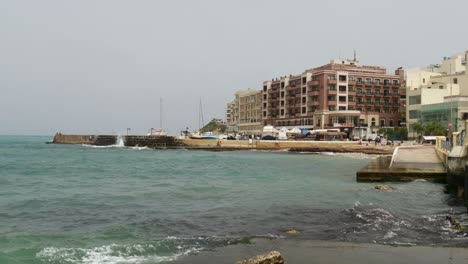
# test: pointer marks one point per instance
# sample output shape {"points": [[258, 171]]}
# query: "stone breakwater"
{"points": [[175, 143]]}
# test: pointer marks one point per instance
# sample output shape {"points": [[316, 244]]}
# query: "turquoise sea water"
{"points": [[83, 204]]}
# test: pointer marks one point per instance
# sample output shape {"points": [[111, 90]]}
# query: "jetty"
{"points": [[168, 142], [408, 163], [444, 162]]}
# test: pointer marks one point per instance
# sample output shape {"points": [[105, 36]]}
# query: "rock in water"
{"points": [[383, 187], [292, 232], [272, 257]]}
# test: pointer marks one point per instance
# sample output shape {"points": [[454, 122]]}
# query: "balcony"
{"points": [[315, 82], [312, 103], [331, 92], [351, 82], [351, 103], [313, 93], [331, 103], [331, 81], [290, 88]]}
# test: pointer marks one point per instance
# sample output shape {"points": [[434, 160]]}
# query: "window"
{"points": [[342, 99], [341, 108], [342, 88], [382, 122], [282, 85], [304, 79], [455, 80], [351, 78], [264, 105], [368, 91], [304, 110], [264, 88], [377, 92], [359, 91], [282, 103], [303, 90], [342, 78], [368, 81], [386, 82], [377, 81], [264, 97], [303, 100], [424, 80], [282, 94], [282, 111], [372, 121], [264, 113], [395, 82], [331, 88], [416, 99], [359, 80], [413, 114], [331, 77]]}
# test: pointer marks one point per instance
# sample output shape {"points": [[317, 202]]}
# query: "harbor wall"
{"points": [[173, 142]]}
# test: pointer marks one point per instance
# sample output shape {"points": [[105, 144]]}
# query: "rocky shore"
{"points": [[324, 252]]}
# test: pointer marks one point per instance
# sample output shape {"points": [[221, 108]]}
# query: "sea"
{"points": [[86, 204]]}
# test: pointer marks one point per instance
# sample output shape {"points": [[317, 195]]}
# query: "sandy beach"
{"points": [[324, 252]]}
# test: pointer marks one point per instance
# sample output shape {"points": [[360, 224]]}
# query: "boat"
{"points": [[206, 136], [158, 132]]}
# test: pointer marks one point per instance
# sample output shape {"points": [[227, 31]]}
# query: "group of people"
{"points": [[383, 141]]}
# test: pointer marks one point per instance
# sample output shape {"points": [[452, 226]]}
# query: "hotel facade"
{"points": [[342, 94]]}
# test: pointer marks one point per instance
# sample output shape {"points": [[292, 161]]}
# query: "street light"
{"points": [[128, 129]]}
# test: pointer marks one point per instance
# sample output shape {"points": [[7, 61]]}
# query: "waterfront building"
{"points": [[245, 112], [438, 93], [342, 94]]}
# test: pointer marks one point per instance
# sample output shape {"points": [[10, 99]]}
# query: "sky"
{"points": [[102, 66]]}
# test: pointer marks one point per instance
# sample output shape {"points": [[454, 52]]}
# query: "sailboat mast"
{"points": [[201, 114], [160, 112]]}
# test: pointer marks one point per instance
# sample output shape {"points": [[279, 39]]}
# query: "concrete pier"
{"points": [[407, 164]]}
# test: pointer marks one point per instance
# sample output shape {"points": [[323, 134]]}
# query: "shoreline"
{"points": [[296, 251], [153, 142]]}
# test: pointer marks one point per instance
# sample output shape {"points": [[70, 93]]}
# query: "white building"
{"points": [[432, 92]]}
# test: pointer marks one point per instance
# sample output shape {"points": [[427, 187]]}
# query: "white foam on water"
{"points": [[390, 234], [107, 254]]}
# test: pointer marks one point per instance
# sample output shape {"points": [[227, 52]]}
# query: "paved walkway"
{"points": [[416, 157]]}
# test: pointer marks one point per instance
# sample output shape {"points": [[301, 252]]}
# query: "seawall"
{"points": [[174, 143]]}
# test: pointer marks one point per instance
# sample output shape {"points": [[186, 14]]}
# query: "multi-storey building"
{"points": [[342, 94], [438, 93], [245, 112], [231, 116]]}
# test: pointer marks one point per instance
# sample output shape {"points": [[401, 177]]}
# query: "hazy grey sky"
{"points": [[101, 66]]}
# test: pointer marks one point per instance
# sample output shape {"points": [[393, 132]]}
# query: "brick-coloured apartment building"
{"points": [[342, 94]]}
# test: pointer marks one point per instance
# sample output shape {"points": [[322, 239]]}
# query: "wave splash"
{"points": [[112, 254], [165, 250]]}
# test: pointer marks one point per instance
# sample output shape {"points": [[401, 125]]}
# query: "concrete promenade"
{"points": [[416, 157], [408, 163]]}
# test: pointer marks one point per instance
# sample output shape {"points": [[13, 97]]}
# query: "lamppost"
{"points": [[128, 129]]}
